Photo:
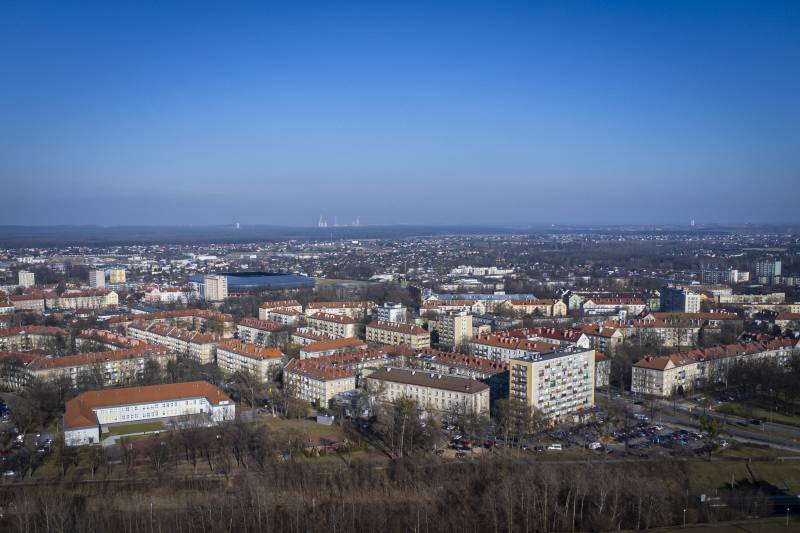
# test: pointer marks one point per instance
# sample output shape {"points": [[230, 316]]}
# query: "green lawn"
{"points": [[750, 410], [127, 429]]}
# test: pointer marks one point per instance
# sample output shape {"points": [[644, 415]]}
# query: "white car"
{"points": [[554, 447], [595, 446]]}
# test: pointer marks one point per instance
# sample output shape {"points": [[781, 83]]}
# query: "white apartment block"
{"points": [[397, 333], [559, 384], [97, 279], [215, 287], [26, 279], [391, 312], [317, 384], [455, 329], [197, 346], [339, 325]]}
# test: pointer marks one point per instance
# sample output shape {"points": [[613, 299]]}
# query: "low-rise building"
{"points": [[89, 413], [357, 310], [339, 325], [266, 307], [262, 333], [191, 344], [331, 347], [678, 373], [316, 383], [116, 367], [237, 356], [282, 315], [33, 301], [85, 299], [433, 391], [397, 333], [21, 339], [505, 347], [305, 336], [202, 320], [609, 306]]}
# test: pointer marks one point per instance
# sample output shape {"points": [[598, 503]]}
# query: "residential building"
{"points": [[339, 325], [304, 336], [436, 307], [609, 306], [21, 339], [115, 367], [89, 413], [558, 384], [202, 320], [768, 268], [26, 279], [680, 299], [454, 328], [602, 370], [357, 310], [331, 347], [383, 332], [33, 301], [392, 312], [215, 288], [192, 344], [82, 299], [541, 307], [681, 372], [169, 295], [237, 356], [282, 315], [317, 383], [432, 391], [503, 348], [601, 337], [266, 307], [116, 275], [97, 279], [263, 333]]}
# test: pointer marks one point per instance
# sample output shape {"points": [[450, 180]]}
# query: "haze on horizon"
{"points": [[507, 114]]}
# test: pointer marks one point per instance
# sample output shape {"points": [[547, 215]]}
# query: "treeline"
{"points": [[416, 494]]}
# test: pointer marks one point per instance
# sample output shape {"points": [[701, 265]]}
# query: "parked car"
{"points": [[554, 447]]}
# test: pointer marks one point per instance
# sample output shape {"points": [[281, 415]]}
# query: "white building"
{"points": [[237, 356], [215, 287], [26, 279], [455, 329], [392, 312], [97, 279], [89, 413]]}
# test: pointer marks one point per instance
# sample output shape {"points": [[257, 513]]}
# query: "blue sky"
{"points": [[463, 112]]}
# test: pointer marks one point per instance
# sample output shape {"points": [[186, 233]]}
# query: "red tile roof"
{"points": [[79, 412], [399, 327], [91, 358], [266, 325], [332, 317], [249, 350]]}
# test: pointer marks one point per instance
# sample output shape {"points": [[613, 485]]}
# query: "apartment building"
{"points": [[331, 347], [357, 310], [602, 337], [203, 320], [437, 307], [391, 312], [305, 336], [561, 337], [541, 307], [317, 383], [27, 338], [613, 306], [339, 325], [681, 372], [503, 348], [192, 344], [237, 356], [97, 279], [215, 287], [559, 384], [788, 321], [105, 339], [26, 279], [266, 307], [116, 275], [680, 299], [283, 315], [168, 295], [262, 333], [33, 302], [115, 367], [84, 299], [396, 333], [433, 391], [454, 328], [88, 413]]}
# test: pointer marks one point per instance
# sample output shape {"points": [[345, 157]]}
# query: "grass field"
{"points": [[307, 428], [127, 429], [747, 410]]}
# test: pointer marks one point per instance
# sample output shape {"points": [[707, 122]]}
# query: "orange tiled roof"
{"points": [[266, 325], [399, 327], [249, 350], [79, 412], [334, 344], [332, 317]]}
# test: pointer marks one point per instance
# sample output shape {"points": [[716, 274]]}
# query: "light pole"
{"points": [[787, 517], [684, 519]]}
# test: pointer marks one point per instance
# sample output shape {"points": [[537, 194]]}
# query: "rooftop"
{"points": [[428, 379]]}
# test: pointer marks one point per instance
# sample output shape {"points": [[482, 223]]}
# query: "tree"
{"points": [[711, 429]]}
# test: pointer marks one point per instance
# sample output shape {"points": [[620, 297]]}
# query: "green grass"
{"points": [[127, 429], [306, 428], [751, 410]]}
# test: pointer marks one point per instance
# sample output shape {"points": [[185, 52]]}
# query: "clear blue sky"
{"points": [[462, 112]]}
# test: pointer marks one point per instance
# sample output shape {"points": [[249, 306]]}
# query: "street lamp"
{"points": [[684, 519], [787, 517]]}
